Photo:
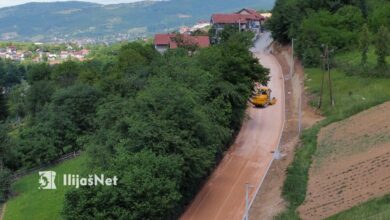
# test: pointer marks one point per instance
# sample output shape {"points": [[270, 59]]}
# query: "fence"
{"points": [[21, 173]]}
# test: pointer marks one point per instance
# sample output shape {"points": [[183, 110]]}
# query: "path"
{"points": [[248, 159]]}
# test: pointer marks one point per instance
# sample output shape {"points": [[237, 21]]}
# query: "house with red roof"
{"points": [[245, 19], [163, 42]]}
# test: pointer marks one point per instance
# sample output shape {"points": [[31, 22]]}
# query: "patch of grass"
{"points": [[289, 214], [350, 62], [294, 188], [378, 209], [32, 203], [354, 57], [352, 94]]}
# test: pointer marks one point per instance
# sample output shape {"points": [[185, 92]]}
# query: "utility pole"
{"points": [[292, 59], [324, 55], [326, 68], [330, 83], [300, 109]]}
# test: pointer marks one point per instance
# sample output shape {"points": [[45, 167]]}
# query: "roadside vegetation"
{"points": [[353, 94], [377, 209], [340, 25], [356, 32], [158, 122]]}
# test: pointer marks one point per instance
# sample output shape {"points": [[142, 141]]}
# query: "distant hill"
{"points": [[82, 20]]}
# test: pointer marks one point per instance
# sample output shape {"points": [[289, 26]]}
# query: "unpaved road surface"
{"points": [[269, 201], [248, 159]]}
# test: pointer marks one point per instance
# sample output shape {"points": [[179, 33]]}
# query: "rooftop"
{"points": [[173, 40], [242, 16]]}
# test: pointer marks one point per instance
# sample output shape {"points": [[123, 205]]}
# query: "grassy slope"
{"points": [[354, 58], [378, 209], [32, 203], [352, 94]]}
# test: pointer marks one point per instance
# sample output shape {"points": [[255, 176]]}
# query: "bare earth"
{"points": [[352, 164], [269, 201], [247, 161]]}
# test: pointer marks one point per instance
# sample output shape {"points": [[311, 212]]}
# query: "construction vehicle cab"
{"points": [[262, 97]]}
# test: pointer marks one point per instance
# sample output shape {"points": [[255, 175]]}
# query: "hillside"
{"points": [[81, 20], [351, 165]]}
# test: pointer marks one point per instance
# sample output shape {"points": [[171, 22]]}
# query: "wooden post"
{"points": [[323, 78], [330, 83]]}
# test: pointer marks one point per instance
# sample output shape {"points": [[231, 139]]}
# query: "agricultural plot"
{"points": [[352, 164]]}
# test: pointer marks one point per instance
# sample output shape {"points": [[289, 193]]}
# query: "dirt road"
{"points": [[247, 161]]}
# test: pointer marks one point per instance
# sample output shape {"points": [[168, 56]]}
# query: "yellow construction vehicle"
{"points": [[262, 97]]}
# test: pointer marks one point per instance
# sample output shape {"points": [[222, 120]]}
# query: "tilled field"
{"points": [[352, 164]]}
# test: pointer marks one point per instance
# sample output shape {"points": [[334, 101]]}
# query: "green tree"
{"points": [[91, 72], [382, 46], [61, 125], [135, 57], [338, 30], [38, 144], [10, 73], [66, 73], [78, 104], [5, 184], [3, 105], [228, 31], [364, 43], [5, 174], [148, 188], [38, 72], [363, 8], [17, 100], [380, 16], [4, 140], [38, 95]]}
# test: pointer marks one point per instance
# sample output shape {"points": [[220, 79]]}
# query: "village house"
{"points": [[163, 42], [64, 55], [245, 19], [51, 56], [11, 49]]}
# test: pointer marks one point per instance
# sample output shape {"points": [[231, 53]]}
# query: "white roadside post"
{"points": [[292, 60], [247, 187], [300, 109]]}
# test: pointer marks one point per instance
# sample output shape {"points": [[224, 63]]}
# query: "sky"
{"points": [[5, 3]]}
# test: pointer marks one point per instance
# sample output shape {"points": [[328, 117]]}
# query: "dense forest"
{"points": [[342, 25], [158, 122]]}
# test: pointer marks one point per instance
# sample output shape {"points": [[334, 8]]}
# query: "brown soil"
{"points": [[269, 202], [352, 164]]}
